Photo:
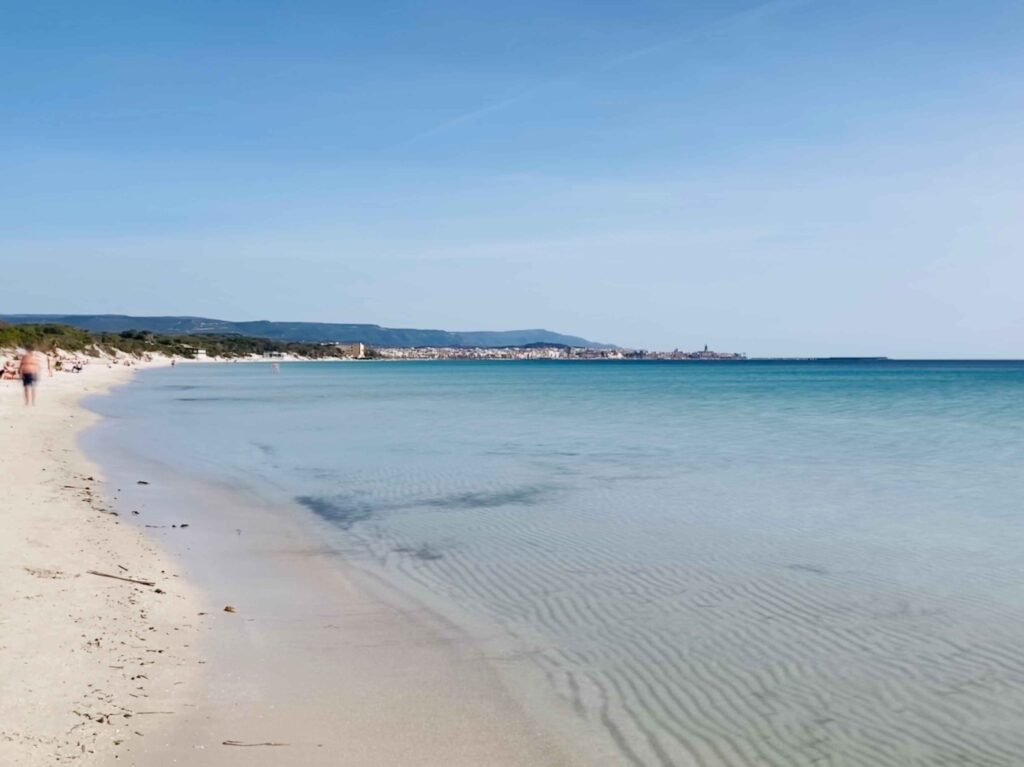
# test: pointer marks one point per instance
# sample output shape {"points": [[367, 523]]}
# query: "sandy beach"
{"points": [[307, 668], [85, 660]]}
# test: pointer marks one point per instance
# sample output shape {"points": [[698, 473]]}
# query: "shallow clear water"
{"points": [[716, 564]]}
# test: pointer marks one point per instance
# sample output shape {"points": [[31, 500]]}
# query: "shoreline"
{"points": [[314, 659], [310, 657]]}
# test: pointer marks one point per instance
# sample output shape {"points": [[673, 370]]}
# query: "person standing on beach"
{"points": [[29, 371]]}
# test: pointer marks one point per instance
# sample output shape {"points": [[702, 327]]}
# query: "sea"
{"points": [[786, 563]]}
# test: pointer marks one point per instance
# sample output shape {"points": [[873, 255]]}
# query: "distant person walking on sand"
{"points": [[29, 371]]}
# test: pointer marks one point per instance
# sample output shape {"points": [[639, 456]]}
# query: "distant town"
{"points": [[533, 352]]}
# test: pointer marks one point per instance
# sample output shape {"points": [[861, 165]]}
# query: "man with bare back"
{"points": [[29, 371]]}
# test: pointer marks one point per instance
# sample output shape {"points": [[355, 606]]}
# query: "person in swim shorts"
{"points": [[29, 371]]}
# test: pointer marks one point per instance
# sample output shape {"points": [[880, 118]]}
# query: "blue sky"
{"points": [[789, 177]]}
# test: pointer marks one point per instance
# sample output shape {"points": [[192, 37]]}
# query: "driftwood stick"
{"points": [[120, 578], [240, 743]]}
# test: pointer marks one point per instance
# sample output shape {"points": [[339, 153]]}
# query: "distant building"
{"points": [[355, 350]]}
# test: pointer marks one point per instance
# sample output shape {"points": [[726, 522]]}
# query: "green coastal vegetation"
{"points": [[48, 336]]}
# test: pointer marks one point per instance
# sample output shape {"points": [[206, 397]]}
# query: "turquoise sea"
{"points": [[758, 563]]}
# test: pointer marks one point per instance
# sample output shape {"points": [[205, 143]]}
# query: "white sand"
{"points": [[81, 657]]}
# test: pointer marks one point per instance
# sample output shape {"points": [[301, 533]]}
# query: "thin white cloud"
{"points": [[747, 17], [476, 114]]}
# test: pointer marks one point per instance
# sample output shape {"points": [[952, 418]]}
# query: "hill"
{"points": [[303, 332]]}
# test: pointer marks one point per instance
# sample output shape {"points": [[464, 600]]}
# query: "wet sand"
{"points": [[312, 660]]}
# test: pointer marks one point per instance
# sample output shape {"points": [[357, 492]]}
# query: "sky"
{"points": [[787, 177]]}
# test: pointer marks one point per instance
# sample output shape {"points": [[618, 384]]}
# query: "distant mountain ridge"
{"points": [[308, 332]]}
